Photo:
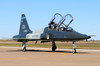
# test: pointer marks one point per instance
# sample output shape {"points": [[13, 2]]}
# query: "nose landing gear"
{"points": [[74, 47]]}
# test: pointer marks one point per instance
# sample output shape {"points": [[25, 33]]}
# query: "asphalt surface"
{"points": [[13, 56]]}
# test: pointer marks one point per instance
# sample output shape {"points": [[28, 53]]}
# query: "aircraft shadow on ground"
{"points": [[32, 50]]}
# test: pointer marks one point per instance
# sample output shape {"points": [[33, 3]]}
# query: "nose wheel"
{"points": [[74, 47], [74, 50]]}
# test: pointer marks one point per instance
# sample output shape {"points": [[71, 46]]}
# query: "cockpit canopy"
{"points": [[60, 26]]}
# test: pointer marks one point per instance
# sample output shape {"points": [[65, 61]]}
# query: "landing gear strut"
{"points": [[53, 46], [74, 47], [24, 46]]}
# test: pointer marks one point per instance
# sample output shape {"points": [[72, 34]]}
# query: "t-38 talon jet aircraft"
{"points": [[54, 32]]}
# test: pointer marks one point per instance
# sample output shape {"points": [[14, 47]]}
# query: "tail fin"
{"points": [[24, 28]]}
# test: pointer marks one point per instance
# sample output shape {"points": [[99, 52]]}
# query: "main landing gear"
{"points": [[24, 46], [74, 47], [53, 46]]}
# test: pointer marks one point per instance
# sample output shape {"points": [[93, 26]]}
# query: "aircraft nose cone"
{"points": [[89, 36]]}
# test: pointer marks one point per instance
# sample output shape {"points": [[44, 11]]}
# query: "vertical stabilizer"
{"points": [[24, 28]]}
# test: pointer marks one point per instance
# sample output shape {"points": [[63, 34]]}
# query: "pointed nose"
{"points": [[89, 37], [86, 36]]}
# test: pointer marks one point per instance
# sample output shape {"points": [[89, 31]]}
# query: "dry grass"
{"points": [[80, 44]]}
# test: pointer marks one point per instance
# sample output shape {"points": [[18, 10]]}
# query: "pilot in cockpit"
{"points": [[52, 25]]}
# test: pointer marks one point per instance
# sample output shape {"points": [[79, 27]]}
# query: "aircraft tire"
{"points": [[53, 49], [74, 50], [24, 49]]}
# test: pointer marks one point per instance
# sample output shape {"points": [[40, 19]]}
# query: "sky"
{"points": [[86, 14]]}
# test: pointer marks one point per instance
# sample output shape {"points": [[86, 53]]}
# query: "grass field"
{"points": [[80, 44]]}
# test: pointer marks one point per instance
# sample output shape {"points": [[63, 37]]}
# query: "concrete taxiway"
{"points": [[13, 56]]}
